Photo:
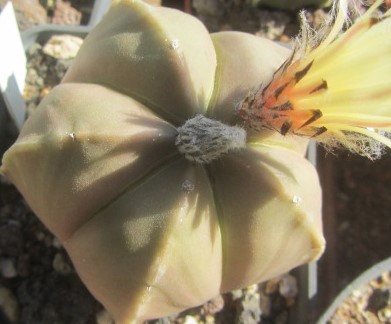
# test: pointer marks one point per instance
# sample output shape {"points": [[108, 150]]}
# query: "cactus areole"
{"points": [[140, 164]]}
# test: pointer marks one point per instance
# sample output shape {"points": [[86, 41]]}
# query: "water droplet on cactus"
{"points": [[296, 199], [188, 186], [174, 44]]}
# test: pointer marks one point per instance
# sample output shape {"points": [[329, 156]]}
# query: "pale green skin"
{"points": [[98, 165]]}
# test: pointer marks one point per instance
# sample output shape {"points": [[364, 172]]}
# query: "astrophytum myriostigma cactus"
{"points": [[141, 165]]}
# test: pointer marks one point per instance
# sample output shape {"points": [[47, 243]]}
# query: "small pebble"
{"points": [[104, 317], [63, 46], [271, 286], [60, 264], [56, 243], [62, 67], [190, 320], [209, 319], [385, 315], [163, 320], [65, 14], [29, 13], [9, 304], [237, 294], [40, 236], [272, 24], [214, 306], [249, 311], [7, 268], [288, 286]]}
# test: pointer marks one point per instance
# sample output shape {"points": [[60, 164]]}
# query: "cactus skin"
{"points": [[149, 232]]}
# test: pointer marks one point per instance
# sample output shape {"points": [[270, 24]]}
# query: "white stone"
{"points": [[63, 46], [288, 286], [7, 268], [60, 264], [190, 320], [104, 317]]}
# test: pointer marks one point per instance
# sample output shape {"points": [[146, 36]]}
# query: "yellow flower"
{"points": [[335, 87]]}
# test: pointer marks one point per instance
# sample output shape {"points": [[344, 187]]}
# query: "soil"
{"points": [[357, 222], [38, 283], [369, 303]]}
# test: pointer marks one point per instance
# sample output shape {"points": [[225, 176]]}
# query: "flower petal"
{"points": [[334, 87]]}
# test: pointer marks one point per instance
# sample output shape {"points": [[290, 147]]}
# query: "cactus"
{"points": [[162, 183]]}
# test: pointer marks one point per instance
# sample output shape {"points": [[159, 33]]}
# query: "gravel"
{"points": [[370, 303]]}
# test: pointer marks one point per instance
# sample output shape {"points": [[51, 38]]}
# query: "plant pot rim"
{"points": [[371, 273], [43, 32]]}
